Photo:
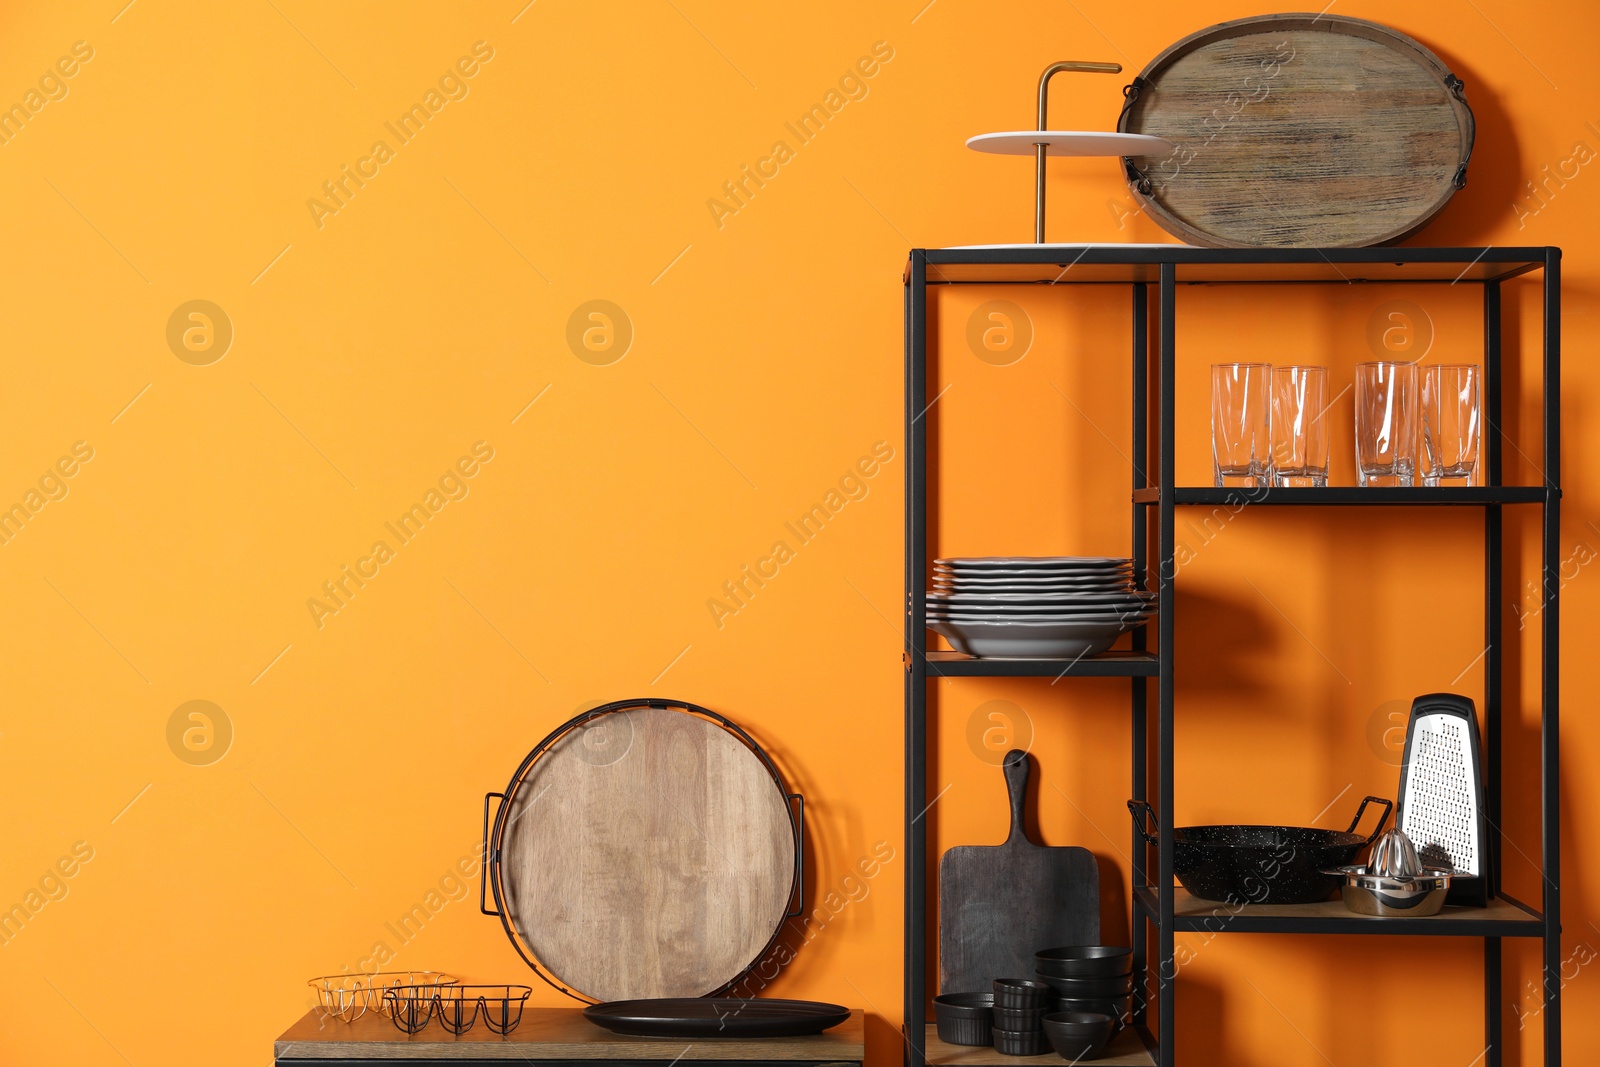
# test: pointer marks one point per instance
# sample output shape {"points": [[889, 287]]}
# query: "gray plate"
{"points": [[1107, 614], [1010, 640], [1120, 623], [978, 585], [1006, 574], [1031, 562], [1023, 599]]}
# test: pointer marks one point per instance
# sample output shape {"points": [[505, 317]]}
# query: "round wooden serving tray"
{"points": [[645, 849], [1298, 130]]}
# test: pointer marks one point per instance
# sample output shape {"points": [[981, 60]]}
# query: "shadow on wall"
{"points": [[1115, 907], [1495, 192], [1222, 643], [1200, 1010]]}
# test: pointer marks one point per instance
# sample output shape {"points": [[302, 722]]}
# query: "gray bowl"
{"points": [[1020, 993], [1088, 988], [1019, 1018], [1084, 961], [1020, 1042], [965, 1018], [1119, 1008], [1079, 1035]]}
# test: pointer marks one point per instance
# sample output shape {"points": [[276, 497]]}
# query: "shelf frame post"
{"points": [[916, 661], [1166, 972], [1140, 696], [1550, 663], [1493, 664]]}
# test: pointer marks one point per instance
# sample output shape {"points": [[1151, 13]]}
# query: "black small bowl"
{"points": [[1119, 1008], [1084, 961], [1018, 1019], [1083, 988], [1020, 1042], [965, 1018], [1079, 1035], [1020, 993]]}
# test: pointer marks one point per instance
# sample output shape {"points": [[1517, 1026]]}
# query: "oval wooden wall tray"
{"points": [[1298, 130]]}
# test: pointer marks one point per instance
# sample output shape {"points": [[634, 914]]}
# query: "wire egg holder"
{"points": [[347, 997], [457, 1007]]}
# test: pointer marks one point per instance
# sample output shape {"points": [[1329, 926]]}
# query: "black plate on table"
{"points": [[716, 1017]]}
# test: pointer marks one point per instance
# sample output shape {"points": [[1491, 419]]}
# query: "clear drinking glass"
{"points": [[1451, 423], [1241, 445], [1299, 427], [1386, 423]]}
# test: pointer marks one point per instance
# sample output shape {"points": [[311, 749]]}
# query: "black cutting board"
{"points": [[999, 904], [702, 1017]]}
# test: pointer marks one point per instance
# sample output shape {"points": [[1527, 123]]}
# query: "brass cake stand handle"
{"points": [[1051, 71]]}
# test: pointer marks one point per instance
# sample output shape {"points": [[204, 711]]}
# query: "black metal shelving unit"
{"points": [[1152, 276]]}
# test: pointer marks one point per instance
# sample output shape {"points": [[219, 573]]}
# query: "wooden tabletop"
{"points": [[550, 1034]]}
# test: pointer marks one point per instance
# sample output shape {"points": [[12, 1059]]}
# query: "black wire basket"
{"points": [[457, 1007]]}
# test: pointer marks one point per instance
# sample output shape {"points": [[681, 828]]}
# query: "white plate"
{"points": [[1033, 578], [1060, 570], [1094, 611], [1029, 585], [1069, 143], [1114, 624], [1034, 573], [1028, 640], [984, 562], [1006, 577], [1104, 614], [1106, 611], [1080, 245], [1024, 596], [1080, 597], [1128, 615]]}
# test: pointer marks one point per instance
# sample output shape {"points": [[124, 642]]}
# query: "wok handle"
{"points": [[1388, 807], [799, 857], [483, 881], [1141, 810]]}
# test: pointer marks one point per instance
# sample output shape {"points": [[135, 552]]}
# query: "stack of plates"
{"points": [[1060, 607]]}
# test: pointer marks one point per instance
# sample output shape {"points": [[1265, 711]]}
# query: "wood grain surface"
{"points": [[656, 862], [1186, 904], [1125, 1050], [1298, 130], [999, 904], [550, 1034]]}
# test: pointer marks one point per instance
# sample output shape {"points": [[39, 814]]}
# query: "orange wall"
{"points": [[374, 345]]}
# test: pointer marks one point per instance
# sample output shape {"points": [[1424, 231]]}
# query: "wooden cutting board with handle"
{"points": [[999, 904]]}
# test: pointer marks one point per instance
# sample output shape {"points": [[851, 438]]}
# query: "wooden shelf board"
{"points": [[1349, 496], [1125, 1050], [1502, 918], [1119, 664]]}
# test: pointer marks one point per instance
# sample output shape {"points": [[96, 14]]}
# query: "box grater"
{"points": [[1441, 794]]}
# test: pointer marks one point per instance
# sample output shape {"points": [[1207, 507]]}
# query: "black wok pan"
{"points": [[1260, 864]]}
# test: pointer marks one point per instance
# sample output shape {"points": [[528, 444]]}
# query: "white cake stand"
{"points": [[1068, 143], [1047, 142]]}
